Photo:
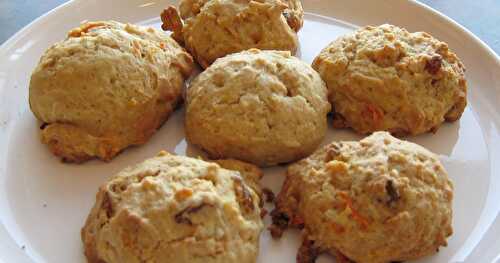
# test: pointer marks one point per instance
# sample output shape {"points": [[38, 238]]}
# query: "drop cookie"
{"points": [[215, 28], [176, 209], [386, 78], [262, 107], [374, 201], [105, 87]]}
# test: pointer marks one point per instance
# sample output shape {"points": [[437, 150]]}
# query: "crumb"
{"points": [[268, 194], [23, 247], [280, 223], [307, 252], [263, 213], [44, 205]]}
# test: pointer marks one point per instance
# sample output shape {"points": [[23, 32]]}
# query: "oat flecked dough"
{"points": [[385, 78], [176, 209], [214, 28], [105, 87], [263, 107], [378, 200]]}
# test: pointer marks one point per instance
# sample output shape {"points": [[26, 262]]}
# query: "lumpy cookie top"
{"points": [[377, 200], [175, 209], [264, 107], [385, 78], [215, 28], [108, 85], [293, 13]]}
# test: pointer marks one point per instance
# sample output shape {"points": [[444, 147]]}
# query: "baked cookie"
{"points": [[105, 87], [174, 209], [385, 78], [263, 107], [373, 201], [215, 28]]}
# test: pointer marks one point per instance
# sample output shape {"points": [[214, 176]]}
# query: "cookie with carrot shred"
{"points": [[377, 200], [211, 29], [177, 209], [385, 78]]}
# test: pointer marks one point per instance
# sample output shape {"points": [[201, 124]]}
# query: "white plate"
{"points": [[43, 202]]}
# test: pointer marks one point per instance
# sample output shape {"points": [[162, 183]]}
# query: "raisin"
{"points": [[433, 65], [268, 194], [243, 196], [183, 216], [391, 191], [107, 205]]}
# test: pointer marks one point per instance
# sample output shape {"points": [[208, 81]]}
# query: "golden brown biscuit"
{"points": [[105, 87], [263, 107], [385, 78], [215, 28], [373, 201], [174, 209]]}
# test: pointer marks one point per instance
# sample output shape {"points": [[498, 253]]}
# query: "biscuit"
{"points": [[385, 78], [105, 87], [263, 107], [377, 200], [175, 209], [215, 28]]}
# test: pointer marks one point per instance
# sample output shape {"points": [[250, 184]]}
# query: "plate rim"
{"points": [[24, 30]]}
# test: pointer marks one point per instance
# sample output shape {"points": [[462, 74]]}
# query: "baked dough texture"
{"points": [[385, 78], [175, 209], [263, 107], [215, 28], [105, 87], [377, 200]]}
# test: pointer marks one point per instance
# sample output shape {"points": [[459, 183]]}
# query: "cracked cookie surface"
{"points": [[263, 107], [377, 200], [386, 78], [176, 209], [105, 87]]}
